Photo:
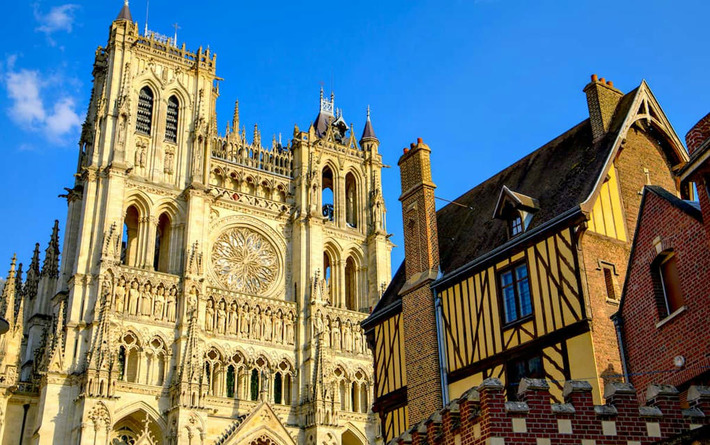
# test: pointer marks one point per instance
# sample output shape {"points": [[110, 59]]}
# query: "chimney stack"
{"points": [[421, 251], [602, 99]]}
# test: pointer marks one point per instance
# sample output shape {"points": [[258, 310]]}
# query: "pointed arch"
{"points": [[130, 422], [352, 200], [353, 436], [146, 110]]}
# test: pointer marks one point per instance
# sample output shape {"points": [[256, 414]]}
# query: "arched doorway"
{"points": [[137, 428], [349, 438]]}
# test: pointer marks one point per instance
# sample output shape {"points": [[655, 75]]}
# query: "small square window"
{"points": [[516, 225]]}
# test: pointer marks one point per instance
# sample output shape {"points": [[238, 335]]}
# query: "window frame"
{"points": [[151, 114], [526, 359], [666, 311], [511, 268], [516, 225]]}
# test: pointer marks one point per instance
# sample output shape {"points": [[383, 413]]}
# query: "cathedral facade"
{"points": [[210, 289]]}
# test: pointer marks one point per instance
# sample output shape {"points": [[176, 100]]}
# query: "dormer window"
{"points": [[516, 209], [516, 224]]}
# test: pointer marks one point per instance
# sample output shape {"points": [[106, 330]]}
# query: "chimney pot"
{"points": [[610, 83], [595, 78], [419, 140], [602, 80], [412, 145], [406, 150]]}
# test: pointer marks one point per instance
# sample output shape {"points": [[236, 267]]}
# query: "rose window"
{"points": [[244, 261]]}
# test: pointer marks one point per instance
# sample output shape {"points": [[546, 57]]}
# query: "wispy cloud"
{"points": [[29, 92], [59, 18]]}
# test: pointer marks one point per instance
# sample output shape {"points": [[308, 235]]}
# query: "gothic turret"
{"points": [[125, 13]]}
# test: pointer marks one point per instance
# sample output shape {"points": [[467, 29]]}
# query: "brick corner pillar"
{"points": [[421, 251]]}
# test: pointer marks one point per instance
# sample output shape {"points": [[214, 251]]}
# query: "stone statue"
{"points": [[267, 330], [278, 327], [357, 349], [256, 324], [134, 298], [171, 304], [336, 335], [289, 329], [192, 300], [348, 337], [147, 300], [159, 303], [120, 295], [232, 318], [209, 316], [222, 317], [326, 333], [245, 321]]}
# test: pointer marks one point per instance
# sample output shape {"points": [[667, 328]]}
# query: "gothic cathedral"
{"points": [[210, 289]]}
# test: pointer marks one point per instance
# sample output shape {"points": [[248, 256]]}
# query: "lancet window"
{"points": [[351, 206], [328, 194], [161, 259], [129, 358], [129, 245], [351, 285], [144, 116], [171, 120]]}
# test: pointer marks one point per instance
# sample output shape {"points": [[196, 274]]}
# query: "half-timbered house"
{"points": [[518, 276]]}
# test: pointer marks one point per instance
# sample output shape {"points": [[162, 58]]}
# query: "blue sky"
{"points": [[483, 82]]}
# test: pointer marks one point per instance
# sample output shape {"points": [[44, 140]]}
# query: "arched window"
{"points": [[328, 194], [129, 245], [230, 381], [254, 384], [351, 302], [128, 358], [161, 260], [351, 207], [343, 395], [287, 389], [354, 397], [327, 275], [278, 388], [364, 406], [144, 117], [171, 120]]}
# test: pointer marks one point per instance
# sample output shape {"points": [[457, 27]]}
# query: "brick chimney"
{"points": [[602, 99], [698, 135], [421, 251]]}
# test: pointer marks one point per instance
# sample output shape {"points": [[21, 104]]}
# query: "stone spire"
{"points": [[55, 358], [50, 267], [100, 354], [257, 136], [190, 369], [8, 294], [235, 117], [368, 132], [18, 287], [32, 281], [125, 13]]}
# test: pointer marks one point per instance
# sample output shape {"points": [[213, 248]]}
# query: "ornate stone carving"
{"points": [[245, 261]]}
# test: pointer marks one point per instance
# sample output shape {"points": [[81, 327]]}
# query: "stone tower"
{"points": [[211, 288]]}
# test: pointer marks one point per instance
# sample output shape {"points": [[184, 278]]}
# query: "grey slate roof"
{"points": [[560, 175]]}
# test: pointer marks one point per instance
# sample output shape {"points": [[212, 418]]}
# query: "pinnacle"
{"points": [[125, 13]]}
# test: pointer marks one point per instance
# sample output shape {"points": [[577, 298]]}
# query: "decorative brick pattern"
{"points": [[480, 417], [698, 135]]}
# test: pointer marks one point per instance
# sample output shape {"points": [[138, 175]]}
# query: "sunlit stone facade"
{"points": [[210, 289]]}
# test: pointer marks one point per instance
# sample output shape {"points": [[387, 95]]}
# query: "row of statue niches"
{"points": [[157, 302], [339, 335], [255, 323]]}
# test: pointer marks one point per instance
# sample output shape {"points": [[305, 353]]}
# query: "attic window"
{"points": [[516, 209], [516, 224]]}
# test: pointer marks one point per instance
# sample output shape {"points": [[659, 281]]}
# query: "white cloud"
{"points": [[29, 92], [23, 89], [62, 119], [59, 18]]}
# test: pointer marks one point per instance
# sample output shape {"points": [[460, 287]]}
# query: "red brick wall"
{"points": [[482, 416], [698, 134], [639, 152], [651, 349]]}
